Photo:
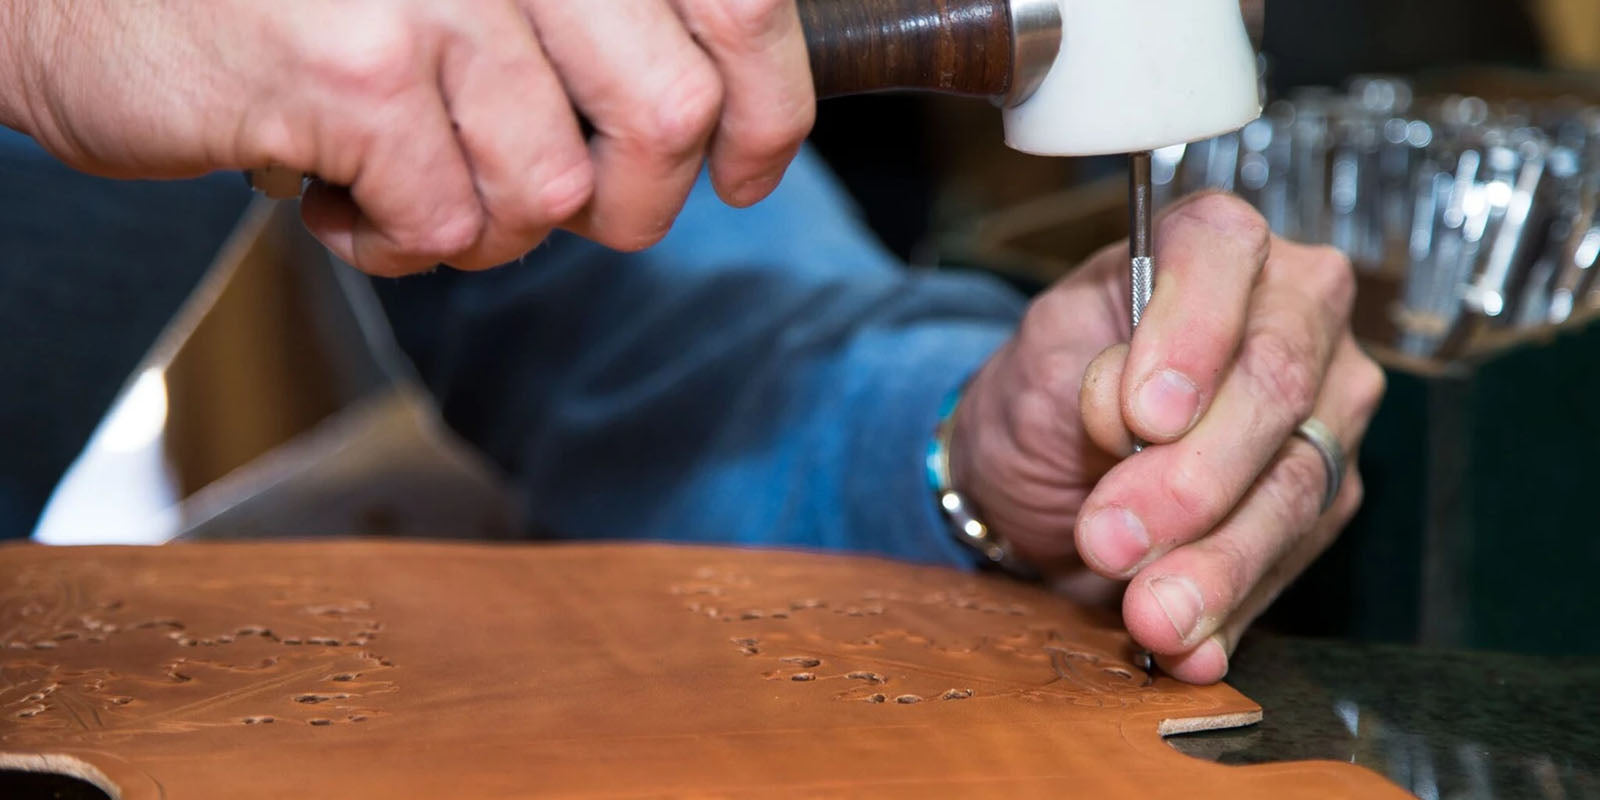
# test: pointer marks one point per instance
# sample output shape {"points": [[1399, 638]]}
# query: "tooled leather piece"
{"points": [[394, 670]]}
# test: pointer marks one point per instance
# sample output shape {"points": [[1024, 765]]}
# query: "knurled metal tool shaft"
{"points": [[1141, 264]]}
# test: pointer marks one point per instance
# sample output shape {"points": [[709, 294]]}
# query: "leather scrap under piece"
{"points": [[369, 669]]}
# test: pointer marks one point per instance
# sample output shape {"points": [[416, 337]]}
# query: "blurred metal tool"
{"points": [[1574, 247], [1575, 280], [1490, 293]]}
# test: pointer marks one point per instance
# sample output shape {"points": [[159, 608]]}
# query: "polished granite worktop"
{"points": [[1440, 724]]}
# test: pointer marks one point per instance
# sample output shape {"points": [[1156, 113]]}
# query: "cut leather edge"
{"points": [[1240, 719]]}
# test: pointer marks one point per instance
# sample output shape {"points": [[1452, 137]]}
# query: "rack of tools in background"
{"points": [[1473, 221]]}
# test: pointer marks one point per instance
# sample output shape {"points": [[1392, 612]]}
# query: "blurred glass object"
{"points": [[1485, 216], [276, 403], [121, 489]]}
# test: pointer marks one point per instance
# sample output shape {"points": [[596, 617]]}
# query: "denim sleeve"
{"points": [[769, 376]]}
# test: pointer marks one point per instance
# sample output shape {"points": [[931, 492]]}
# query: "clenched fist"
{"points": [[440, 132], [1247, 336]]}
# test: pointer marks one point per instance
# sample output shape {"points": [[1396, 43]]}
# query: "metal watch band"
{"points": [[964, 523]]}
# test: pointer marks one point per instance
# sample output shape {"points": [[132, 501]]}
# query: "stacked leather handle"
{"points": [[955, 46]]}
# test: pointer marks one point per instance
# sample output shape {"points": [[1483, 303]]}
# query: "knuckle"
{"points": [[1298, 482], [745, 20], [1225, 214], [564, 194], [1283, 372], [1041, 313], [1057, 375], [377, 58], [1234, 567], [1193, 491], [688, 110], [1051, 316], [1370, 385], [454, 234], [775, 137], [1034, 420], [1337, 279]]}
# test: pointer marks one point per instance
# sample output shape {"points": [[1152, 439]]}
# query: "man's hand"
{"points": [[441, 132], [1247, 335]]}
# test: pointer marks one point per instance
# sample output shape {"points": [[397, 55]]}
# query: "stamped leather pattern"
{"points": [[381, 670]]}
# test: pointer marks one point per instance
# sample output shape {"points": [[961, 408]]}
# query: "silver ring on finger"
{"points": [[1321, 437]]}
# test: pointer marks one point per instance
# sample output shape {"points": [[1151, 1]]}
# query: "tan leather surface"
{"points": [[388, 670]]}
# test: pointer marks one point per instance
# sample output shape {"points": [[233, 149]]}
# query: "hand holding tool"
{"points": [[1074, 77]]}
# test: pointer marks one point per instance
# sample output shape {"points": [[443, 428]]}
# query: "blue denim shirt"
{"points": [[763, 376]]}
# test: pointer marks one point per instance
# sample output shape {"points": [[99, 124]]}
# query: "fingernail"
{"points": [[1166, 403], [1115, 539], [1181, 602], [755, 190]]}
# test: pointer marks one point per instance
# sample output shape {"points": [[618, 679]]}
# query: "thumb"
{"points": [[1100, 402]]}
